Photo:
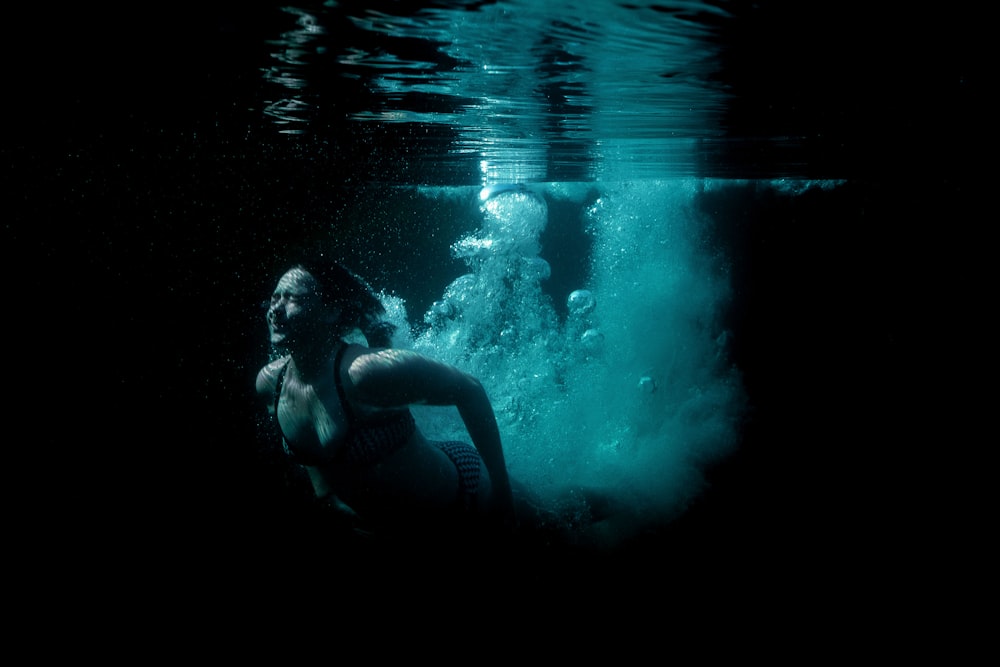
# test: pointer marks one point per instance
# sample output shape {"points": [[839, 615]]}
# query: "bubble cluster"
{"points": [[631, 390]]}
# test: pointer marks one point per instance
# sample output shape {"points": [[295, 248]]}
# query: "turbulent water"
{"points": [[628, 387]]}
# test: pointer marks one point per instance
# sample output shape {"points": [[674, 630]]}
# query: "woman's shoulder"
{"points": [[267, 377], [393, 377], [364, 361]]}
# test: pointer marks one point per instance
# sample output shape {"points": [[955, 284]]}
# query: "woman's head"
{"points": [[323, 298]]}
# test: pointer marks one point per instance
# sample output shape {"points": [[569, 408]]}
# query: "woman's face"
{"points": [[295, 309]]}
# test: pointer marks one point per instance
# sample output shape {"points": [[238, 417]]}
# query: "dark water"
{"points": [[170, 160]]}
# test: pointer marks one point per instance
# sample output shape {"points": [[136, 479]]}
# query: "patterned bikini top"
{"points": [[369, 440]]}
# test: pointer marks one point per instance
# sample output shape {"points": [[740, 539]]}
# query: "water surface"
{"points": [[513, 91]]}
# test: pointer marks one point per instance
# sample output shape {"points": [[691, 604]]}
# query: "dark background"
{"points": [[146, 214]]}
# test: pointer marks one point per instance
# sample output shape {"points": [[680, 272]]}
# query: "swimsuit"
{"points": [[369, 441], [372, 440], [466, 459]]}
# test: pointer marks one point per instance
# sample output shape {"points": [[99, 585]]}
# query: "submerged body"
{"points": [[343, 412]]}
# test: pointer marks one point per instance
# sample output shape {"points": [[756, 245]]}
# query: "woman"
{"points": [[343, 411]]}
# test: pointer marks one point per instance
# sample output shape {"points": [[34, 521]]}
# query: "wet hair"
{"points": [[360, 307]]}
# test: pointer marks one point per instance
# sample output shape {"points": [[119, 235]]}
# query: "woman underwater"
{"points": [[342, 409]]}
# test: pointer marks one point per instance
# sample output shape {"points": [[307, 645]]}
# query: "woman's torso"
{"points": [[368, 456]]}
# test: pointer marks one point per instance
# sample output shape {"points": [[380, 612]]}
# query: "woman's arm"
{"points": [[480, 421], [393, 378]]}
